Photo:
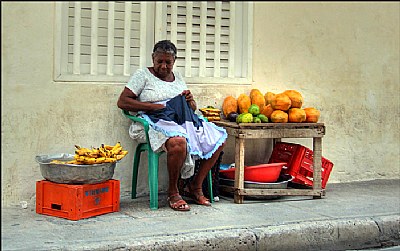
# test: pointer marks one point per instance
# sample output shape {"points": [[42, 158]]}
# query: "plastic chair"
{"points": [[153, 159]]}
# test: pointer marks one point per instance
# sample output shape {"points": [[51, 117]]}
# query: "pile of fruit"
{"points": [[277, 108], [102, 154], [211, 113]]}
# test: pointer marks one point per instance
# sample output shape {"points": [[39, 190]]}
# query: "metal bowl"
{"points": [[73, 174], [281, 183]]}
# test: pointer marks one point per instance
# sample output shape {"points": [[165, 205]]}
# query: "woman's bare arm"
{"points": [[128, 101]]}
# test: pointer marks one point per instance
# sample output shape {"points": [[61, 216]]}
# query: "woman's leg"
{"points": [[205, 167], [176, 155]]}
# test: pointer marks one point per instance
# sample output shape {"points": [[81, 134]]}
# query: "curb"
{"points": [[336, 234]]}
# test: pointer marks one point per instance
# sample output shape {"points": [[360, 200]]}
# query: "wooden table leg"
{"points": [[239, 168], [276, 140], [317, 165]]}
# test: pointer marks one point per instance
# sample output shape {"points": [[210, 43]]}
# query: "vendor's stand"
{"points": [[275, 131]]}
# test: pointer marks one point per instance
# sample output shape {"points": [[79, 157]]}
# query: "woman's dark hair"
{"points": [[165, 46]]}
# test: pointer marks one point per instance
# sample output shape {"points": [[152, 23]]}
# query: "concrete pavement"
{"points": [[352, 216]]}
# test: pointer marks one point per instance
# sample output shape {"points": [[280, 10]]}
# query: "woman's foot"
{"points": [[176, 202], [197, 195]]}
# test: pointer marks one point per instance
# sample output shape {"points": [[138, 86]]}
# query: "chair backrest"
{"points": [[139, 120]]}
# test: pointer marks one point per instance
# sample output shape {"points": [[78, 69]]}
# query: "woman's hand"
{"points": [[188, 95], [189, 98]]}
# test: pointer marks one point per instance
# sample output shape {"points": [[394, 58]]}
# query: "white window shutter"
{"points": [[106, 41], [211, 38]]}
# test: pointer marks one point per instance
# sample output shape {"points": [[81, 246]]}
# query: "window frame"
{"points": [[154, 32]]}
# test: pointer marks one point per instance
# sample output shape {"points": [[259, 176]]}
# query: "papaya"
{"points": [[312, 114], [257, 98], [279, 116], [295, 97], [229, 105], [244, 102], [296, 115], [268, 97], [253, 92], [281, 102], [267, 111]]}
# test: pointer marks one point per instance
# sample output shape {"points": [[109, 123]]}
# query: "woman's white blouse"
{"points": [[149, 88]]}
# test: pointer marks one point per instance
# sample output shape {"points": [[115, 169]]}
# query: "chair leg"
{"points": [[136, 162], [153, 179], [210, 191]]}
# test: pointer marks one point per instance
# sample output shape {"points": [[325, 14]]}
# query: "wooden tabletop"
{"points": [[226, 123]]}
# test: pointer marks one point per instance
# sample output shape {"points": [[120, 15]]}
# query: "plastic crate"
{"points": [[75, 202], [299, 161]]}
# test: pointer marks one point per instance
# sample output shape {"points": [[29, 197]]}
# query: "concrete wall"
{"points": [[343, 57]]}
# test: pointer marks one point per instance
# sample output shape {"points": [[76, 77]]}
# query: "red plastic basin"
{"points": [[266, 173]]}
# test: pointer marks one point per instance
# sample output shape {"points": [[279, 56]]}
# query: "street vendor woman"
{"points": [[160, 96]]}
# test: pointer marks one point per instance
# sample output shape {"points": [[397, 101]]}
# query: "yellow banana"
{"points": [[83, 151], [89, 160], [56, 161], [108, 147], [118, 145], [118, 157], [100, 160], [80, 159], [94, 153], [110, 160], [116, 151], [102, 151], [103, 154], [74, 162]]}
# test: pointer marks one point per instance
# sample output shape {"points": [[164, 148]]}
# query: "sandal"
{"points": [[198, 196], [176, 202]]}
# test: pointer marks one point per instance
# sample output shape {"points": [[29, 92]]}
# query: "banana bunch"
{"points": [[102, 154], [211, 113]]}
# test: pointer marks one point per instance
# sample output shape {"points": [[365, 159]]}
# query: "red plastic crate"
{"points": [[299, 161], [76, 202]]}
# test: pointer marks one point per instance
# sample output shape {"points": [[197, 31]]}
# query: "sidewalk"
{"points": [[351, 216]]}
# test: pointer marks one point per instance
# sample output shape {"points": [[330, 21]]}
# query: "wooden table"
{"points": [[274, 131]]}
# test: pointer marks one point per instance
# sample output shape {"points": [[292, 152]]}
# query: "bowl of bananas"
{"points": [[86, 166]]}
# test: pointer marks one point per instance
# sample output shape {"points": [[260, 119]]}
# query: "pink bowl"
{"points": [[265, 173]]}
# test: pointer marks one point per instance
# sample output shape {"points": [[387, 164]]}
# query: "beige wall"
{"points": [[343, 57]]}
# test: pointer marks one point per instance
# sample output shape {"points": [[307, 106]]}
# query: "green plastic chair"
{"points": [[153, 158]]}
